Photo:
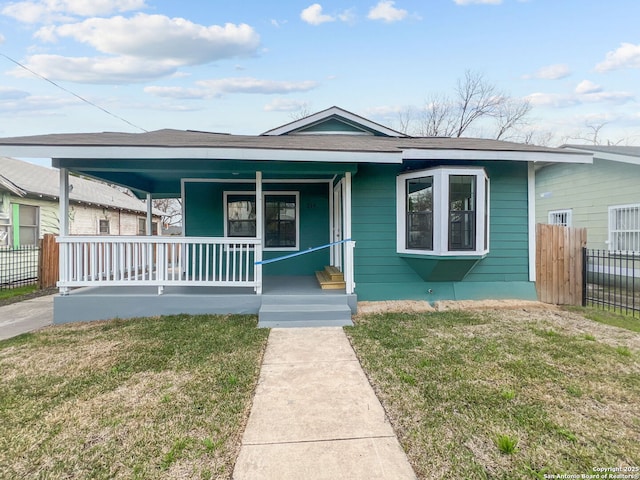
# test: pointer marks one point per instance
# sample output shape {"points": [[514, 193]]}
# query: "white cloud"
{"points": [[8, 93], [539, 99], [313, 15], [587, 86], [386, 12], [285, 105], [1, 39], [255, 85], [23, 102], [479, 2], [551, 72], [96, 70], [177, 92], [157, 37], [625, 56], [46, 11], [608, 97], [585, 92]]}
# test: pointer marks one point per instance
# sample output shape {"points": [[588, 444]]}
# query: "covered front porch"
{"points": [[221, 263]]}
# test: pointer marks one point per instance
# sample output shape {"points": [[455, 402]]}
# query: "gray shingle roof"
{"points": [[42, 181], [169, 138], [615, 149]]}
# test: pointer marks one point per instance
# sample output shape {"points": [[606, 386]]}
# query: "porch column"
{"points": [[63, 205], [348, 247], [150, 216], [259, 230]]}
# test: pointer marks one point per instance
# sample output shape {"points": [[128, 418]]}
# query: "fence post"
{"points": [[585, 259]]}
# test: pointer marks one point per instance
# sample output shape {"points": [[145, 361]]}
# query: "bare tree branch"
{"points": [[476, 99], [171, 209], [511, 113]]}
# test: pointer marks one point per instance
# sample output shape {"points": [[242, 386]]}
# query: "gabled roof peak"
{"points": [[334, 120]]}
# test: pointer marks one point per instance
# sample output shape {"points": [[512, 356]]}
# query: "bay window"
{"points": [[443, 211]]}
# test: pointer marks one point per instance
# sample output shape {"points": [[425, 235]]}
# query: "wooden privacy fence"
{"points": [[559, 266], [49, 265]]}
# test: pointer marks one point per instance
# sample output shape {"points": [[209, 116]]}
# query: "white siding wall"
{"points": [[589, 191], [83, 219]]}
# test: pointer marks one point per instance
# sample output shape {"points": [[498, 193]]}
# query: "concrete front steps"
{"points": [[278, 311], [331, 278]]}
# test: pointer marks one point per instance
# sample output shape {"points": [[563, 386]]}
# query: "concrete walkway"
{"points": [[315, 416], [26, 316]]}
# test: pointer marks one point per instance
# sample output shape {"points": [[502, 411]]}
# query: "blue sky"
{"points": [[247, 66]]}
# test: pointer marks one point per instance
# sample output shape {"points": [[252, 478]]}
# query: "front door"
{"points": [[336, 250]]}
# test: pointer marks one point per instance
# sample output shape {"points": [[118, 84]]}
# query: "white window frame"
{"points": [[554, 214], [613, 242], [266, 194], [100, 220], [441, 211]]}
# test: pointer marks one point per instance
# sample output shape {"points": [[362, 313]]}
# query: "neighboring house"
{"points": [[603, 197], [29, 206], [407, 218]]}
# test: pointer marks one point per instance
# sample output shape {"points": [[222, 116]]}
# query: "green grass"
{"points": [[17, 292], [616, 319], [150, 398], [502, 395]]}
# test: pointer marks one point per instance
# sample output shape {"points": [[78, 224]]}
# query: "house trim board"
{"points": [[531, 196]]}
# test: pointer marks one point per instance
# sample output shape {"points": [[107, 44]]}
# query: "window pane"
{"points": [[241, 216], [462, 212], [142, 226], [280, 221], [104, 227], [624, 228], [28, 216], [420, 213], [28, 235]]}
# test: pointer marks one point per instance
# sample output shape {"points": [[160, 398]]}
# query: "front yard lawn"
{"points": [[505, 394], [146, 398]]}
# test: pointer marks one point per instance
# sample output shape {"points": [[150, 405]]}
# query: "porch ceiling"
{"points": [[162, 177]]}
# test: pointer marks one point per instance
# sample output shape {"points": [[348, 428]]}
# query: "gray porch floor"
{"points": [[101, 303]]}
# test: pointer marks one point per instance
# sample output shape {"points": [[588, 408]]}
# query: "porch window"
{"points": [[280, 222], [241, 216], [281, 218], [443, 211], [624, 228]]}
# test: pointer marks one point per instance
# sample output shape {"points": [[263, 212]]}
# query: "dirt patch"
{"points": [[414, 306], [395, 306], [445, 305]]}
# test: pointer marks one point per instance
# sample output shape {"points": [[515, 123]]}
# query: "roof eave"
{"points": [[497, 155], [614, 157], [126, 152]]}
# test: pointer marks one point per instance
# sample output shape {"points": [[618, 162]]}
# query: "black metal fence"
{"points": [[18, 266], [611, 280]]}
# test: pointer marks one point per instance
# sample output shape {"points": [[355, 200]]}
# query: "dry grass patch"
{"points": [[514, 393], [147, 398]]}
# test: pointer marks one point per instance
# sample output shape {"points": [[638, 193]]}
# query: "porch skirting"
{"points": [[103, 303]]}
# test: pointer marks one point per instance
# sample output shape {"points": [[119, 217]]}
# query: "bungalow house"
{"points": [[29, 206], [377, 214], [603, 197]]}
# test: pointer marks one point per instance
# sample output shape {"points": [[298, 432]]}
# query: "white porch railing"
{"points": [[159, 261]]}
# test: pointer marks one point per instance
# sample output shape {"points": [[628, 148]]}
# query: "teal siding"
{"points": [[381, 273], [204, 216]]}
